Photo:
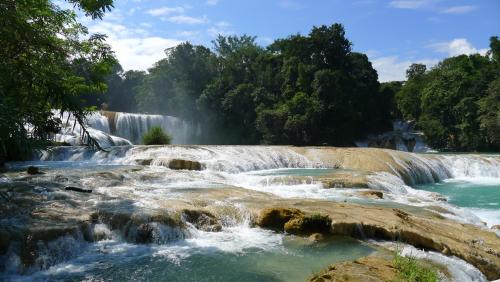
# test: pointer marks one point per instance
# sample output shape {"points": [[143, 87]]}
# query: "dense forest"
{"points": [[313, 90], [302, 90]]}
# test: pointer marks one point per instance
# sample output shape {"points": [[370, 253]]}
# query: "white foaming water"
{"points": [[458, 269], [472, 166], [97, 126], [134, 126], [126, 128]]}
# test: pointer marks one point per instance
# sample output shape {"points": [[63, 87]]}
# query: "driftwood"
{"points": [[76, 189], [85, 135]]}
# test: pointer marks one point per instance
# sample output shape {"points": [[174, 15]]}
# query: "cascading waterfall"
{"points": [[134, 203], [134, 126], [117, 128]]}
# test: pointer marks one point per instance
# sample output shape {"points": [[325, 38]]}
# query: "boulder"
{"points": [[179, 164], [202, 220], [305, 225], [33, 170], [275, 218]]}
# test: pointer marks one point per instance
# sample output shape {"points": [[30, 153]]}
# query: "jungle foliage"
{"points": [[457, 102], [49, 61]]}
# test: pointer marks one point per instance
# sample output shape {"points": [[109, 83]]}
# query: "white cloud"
{"points": [[188, 33], [183, 19], [163, 11], [409, 4], [222, 28], [212, 2], [455, 47], [134, 47], [459, 9], [391, 68]]}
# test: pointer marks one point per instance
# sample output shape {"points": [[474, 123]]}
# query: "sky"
{"points": [[393, 33]]}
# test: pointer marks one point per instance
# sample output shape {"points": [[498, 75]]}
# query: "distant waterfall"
{"points": [[116, 128], [134, 126]]}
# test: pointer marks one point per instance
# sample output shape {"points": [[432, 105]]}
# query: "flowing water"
{"points": [[117, 128], [232, 179]]}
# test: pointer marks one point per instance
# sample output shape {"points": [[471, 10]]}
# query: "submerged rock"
{"points": [[372, 194]]}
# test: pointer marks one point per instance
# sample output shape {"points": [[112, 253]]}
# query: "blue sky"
{"points": [[394, 33]]}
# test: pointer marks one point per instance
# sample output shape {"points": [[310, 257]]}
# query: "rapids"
{"points": [[142, 223]]}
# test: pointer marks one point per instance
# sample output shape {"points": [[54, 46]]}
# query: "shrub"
{"points": [[156, 136], [409, 269]]}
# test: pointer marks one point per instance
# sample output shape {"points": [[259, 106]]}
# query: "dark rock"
{"points": [[145, 162], [76, 189], [4, 241], [179, 164], [33, 170]]}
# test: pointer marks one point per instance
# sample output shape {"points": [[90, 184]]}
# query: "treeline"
{"points": [[457, 102], [314, 90], [302, 90]]}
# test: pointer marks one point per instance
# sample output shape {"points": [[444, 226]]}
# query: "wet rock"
{"points": [[179, 164], [77, 189], [305, 225], [33, 237], [371, 268], [275, 218], [202, 220], [33, 170], [145, 162], [316, 237], [372, 194], [495, 227], [144, 234]]}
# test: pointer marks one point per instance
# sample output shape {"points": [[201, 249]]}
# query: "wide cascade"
{"points": [[182, 210], [118, 128]]}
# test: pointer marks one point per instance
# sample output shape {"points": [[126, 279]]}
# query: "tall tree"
{"points": [[48, 62]]}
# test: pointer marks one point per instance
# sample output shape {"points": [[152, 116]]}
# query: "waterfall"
{"points": [[116, 128], [134, 126], [97, 126]]}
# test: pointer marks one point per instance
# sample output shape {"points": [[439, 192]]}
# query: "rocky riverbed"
{"points": [[163, 195]]}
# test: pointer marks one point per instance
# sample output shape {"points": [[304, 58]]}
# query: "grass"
{"points": [[156, 136], [410, 269]]}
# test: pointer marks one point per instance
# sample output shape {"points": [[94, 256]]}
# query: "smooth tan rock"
{"points": [[371, 268]]}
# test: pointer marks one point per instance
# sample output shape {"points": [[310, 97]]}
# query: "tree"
{"points": [[48, 62]]}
